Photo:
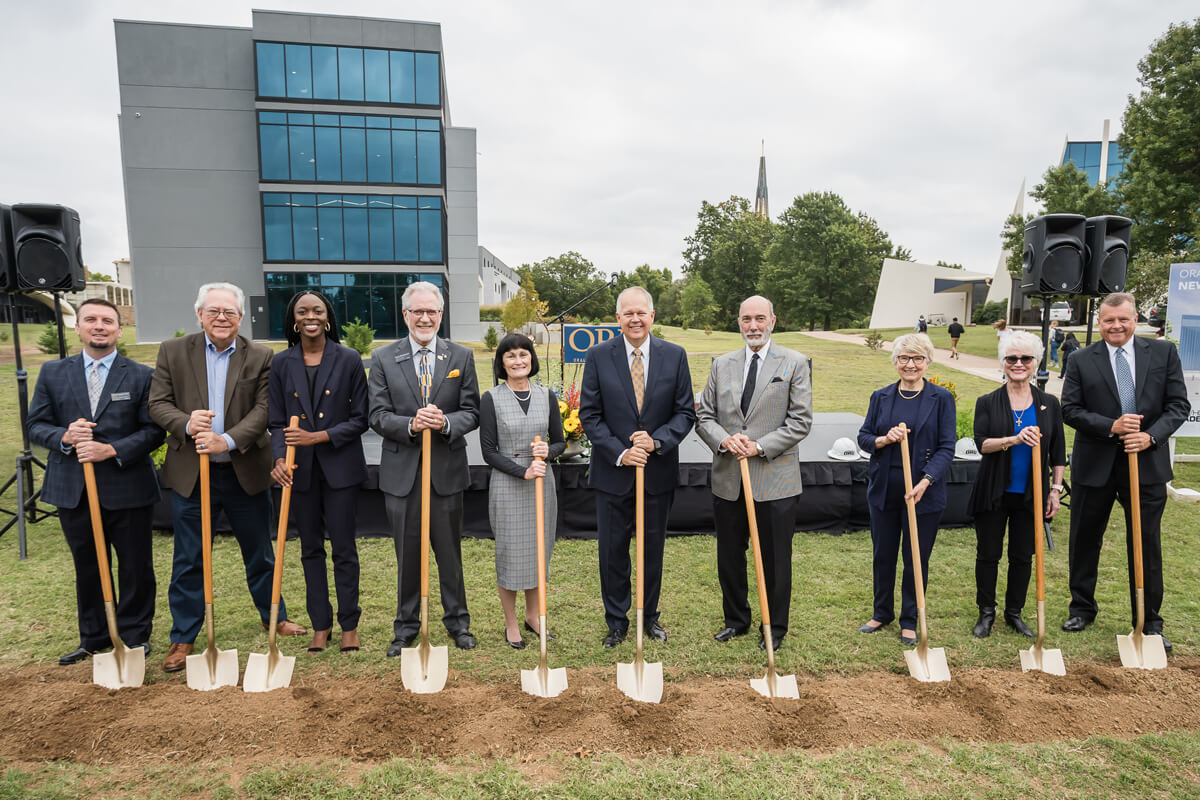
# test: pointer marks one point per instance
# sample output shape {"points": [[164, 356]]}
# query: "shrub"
{"points": [[358, 335], [491, 339], [964, 424], [708, 330], [657, 333], [949, 386], [121, 349], [988, 313], [491, 313], [874, 340], [4, 335], [48, 341], [180, 333]]}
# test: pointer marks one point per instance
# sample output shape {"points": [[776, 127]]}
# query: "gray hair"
{"points": [[1119, 299], [1023, 341], [422, 286], [221, 286], [918, 344], [645, 294]]}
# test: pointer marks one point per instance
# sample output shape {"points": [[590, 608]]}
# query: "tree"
{"points": [[525, 306], [726, 251], [1160, 138], [99, 276], [668, 307], [561, 281], [697, 303], [654, 281], [941, 263], [824, 263]]}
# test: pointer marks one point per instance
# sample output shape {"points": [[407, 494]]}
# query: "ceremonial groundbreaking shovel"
{"points": [[639, 680], [1035, 657], [927, 664], [273, 670], [423, 668], [1139, 650], [124, 666], [543, 681], [771, 685], [213, 668]]}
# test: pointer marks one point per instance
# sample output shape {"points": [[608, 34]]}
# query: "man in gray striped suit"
{"points": [[757, 405]]}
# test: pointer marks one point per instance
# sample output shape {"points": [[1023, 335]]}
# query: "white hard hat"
{"points": [[844, 449], [965, 449]]}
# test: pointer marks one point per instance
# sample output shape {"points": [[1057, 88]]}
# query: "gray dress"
{"points": [[511, 508]]}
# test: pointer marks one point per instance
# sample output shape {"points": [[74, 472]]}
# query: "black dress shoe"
{"points": [[463, 640], [550, 637], [775, 641], [656, 632], [725, 634], [74, 657], [867, 627], [1075, 624], [983, 625], [519, 644], [1015, 622], [144, 645], [397, 645], [613, 639], [1166, 641]]}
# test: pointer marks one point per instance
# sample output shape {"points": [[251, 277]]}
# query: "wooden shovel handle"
{"points": [[206, 528], [752, 518], [639, 516], [1135, 513], [285, 504], [93, 496], [426, 483], [914, 544], [1035, 473], [540, 507]]}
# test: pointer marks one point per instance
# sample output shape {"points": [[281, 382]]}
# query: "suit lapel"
{"points": [[116, 377], [323, 372], [736, 388], [77, 382], [199, 360], [441, 365], [621, 365], [1141, 355], [925, 405], [1104, 366], [768, 370], [299, 378], [408, 368]]}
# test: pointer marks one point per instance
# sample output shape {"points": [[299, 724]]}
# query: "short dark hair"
{"points": [[513, 341], [289, 317], [955, 319], [100, 301]]}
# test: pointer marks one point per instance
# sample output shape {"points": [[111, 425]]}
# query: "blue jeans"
{"points": [[250, 517], [1054, 351]]}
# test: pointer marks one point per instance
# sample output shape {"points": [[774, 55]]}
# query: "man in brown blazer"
{"points": [[210, 394]]}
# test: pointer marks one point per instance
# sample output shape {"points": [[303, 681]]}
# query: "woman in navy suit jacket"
{"points": [[322, 383], [928, 412]]}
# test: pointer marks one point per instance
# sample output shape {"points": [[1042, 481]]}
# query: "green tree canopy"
{"points": [[697, 304], [524, 306], [654, 281], [726, 251], [668, 307], [561, 281]]}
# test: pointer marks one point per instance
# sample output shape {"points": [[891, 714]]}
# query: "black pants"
{"points": [[889, 533], [127, 531], [615, 522], [989, 544], [1090, 509], [319, 510], [776, 523], [445, 538]]}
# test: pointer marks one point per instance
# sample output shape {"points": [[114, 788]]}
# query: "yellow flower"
{"points": [[574, 413], [562, 407], [571, 425]]}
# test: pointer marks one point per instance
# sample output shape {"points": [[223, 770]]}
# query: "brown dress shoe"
{"points": [[177, 657], [287, 628]]}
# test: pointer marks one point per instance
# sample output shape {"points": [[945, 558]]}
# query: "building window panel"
{"points": [[269, 57], [375, 74], [430, 235], [403, 77], [428, 80], [299, 71], [325, 73], [277, 303], [302, 160], [404, 156], [380, 220], [353, 228], [379, 156], [404, 223], [357, 240], [304, 234], [350, 73], [330, 221], [429, 158], [384, 310], [358, 304], [273, 142], [329, 154], [277, 233], [354, 155]]}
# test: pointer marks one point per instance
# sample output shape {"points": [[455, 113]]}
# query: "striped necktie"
{"points": [[95, 384], [638, 373], [1125, 389], [426, 375]]}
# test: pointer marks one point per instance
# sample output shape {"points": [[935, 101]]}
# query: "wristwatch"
{"points": [[1056, 487], [929, 478], [658, 445], [1153, 441]]}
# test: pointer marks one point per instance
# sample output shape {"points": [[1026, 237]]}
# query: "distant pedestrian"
{"points": [[956, 331], [1160, 333], [1002, 334], [1057, 337], [923, 324], [1070, 345]]}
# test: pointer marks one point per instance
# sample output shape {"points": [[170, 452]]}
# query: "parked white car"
{"points": [[1060, 311]]}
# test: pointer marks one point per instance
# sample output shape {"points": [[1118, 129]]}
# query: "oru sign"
{"points": [[578, 338]]}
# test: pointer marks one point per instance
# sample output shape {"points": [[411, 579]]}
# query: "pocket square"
{"points": [[454, 373], [777, 379]]}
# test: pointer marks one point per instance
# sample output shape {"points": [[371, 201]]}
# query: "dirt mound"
{"points": [[52, 713]]}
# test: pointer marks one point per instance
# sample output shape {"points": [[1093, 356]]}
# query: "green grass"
{"points": [[978, 340]]}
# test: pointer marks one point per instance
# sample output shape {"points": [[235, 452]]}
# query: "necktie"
{"points": [[1125, 384], [638, 373], [95, 385], [426, 375], [751, 380]]}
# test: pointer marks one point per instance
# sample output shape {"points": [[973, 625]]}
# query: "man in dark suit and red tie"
{"points": [[1122, 395], [636, 405], [92, 408]]}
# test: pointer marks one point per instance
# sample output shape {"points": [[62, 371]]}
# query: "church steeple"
{"points": [[760, 196]]}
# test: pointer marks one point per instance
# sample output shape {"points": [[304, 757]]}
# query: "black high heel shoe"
{"points": [[550, 637], [519, 644]]}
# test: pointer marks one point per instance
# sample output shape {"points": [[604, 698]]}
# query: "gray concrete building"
{"points": [[307, 151]]}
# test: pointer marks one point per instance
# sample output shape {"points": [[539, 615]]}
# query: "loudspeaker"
{"points": [[1052, 261], [47, 253], [1107, 240], [8, 276]]}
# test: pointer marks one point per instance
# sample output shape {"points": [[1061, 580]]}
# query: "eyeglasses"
{"points": [[423, 312], [227, 313], [914, 360], [1026, 360]]}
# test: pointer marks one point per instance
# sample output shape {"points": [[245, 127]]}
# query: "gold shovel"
{"points": [[926, 664], [1035, 658], [273, 670], [423, 668], [543, 681], [124, 666], [1139, 650], [640, 680], [213, 668], [771, 685]]}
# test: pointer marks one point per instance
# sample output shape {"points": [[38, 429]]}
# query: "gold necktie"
{"points": [[638, 373]]}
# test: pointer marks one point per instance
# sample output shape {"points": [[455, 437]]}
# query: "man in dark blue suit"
{"points": [[92, 408], [636, 406]]}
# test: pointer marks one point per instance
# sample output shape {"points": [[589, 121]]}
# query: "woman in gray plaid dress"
{"points": [[511, 414]]}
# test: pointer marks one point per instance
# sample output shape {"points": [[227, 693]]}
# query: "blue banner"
{"points": [[578, 338]]}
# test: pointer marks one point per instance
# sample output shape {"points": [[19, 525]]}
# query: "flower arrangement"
{"points": [[568, 406]]}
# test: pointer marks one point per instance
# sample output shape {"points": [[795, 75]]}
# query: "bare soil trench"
{"points": [[57, 713]]}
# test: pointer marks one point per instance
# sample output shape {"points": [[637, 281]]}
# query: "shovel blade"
{"points": [[1043, 660], [544, 682], [224, 671], [262, 676], [112, 672], [428, 677], [1151, 654], [785, 686], [641, 681], [928, 666]]}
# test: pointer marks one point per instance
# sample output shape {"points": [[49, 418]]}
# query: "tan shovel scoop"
{"points": [[1139, 650], [641, 681], [273, 670], [1036, 658], [543, 681], [124, 666], [213, 668], [770, 685], [423, 668], [925, 663]]}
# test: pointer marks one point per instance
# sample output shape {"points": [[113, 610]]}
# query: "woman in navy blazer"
{"points": [[928, 412], [322, 383]]}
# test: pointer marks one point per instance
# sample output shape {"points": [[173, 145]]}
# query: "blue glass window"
{"points": [[380, 220], [354, 155], [403, 77], [299, 70], [304, 233], [1091, 157], [364, 228], [300, 143], [379, 156], [329, 154], [273, 141], [330, 221], [325, 73], [350, 148], [277, 233], [428, 80], [357, 239], [429, 157], [404, 156], [430, 234], [404, 223], [375, 73], [270, 69], [350, 73]]}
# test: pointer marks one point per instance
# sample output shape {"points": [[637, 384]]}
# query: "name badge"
{"points": [[120, 395]]}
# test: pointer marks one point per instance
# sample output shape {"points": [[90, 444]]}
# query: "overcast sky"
{"points": [[602, 126]]}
